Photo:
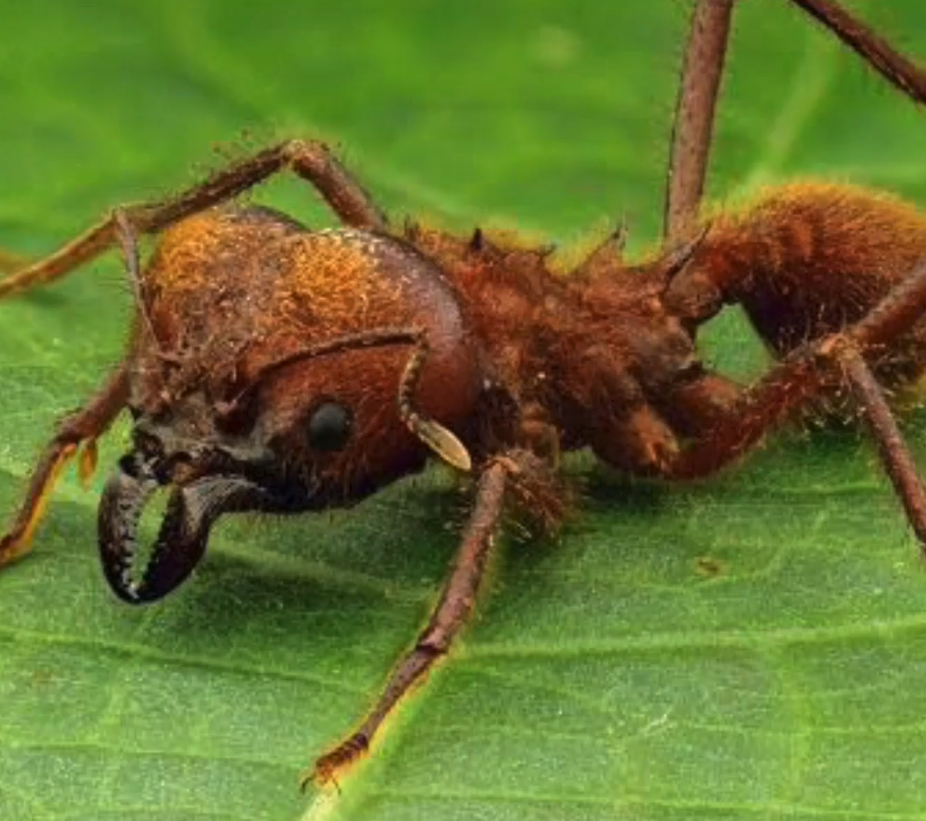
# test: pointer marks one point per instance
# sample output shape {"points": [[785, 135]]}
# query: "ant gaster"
{"points": [[274, 368]]}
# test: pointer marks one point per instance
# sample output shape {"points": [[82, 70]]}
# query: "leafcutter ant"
{"points": [[274, 368]]}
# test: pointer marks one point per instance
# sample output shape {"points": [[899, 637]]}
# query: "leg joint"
{"points": [[433, 646], [305, 152]]}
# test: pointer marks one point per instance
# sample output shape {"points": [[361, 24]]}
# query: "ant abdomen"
{"points": [[806, 260]]}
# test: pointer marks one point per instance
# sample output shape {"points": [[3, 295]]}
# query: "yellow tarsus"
{"points": [[86, 464], [22, 544]]}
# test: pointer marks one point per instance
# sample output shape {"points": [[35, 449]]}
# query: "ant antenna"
{"points": [[130, 256], [436, 436]]}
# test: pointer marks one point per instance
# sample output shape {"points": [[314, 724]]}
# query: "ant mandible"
{"points": [[273, 368]]}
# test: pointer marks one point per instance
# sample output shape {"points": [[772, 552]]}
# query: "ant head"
{"points": [[298, 404]]}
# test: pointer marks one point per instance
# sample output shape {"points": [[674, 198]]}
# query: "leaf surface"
{"points": [[749, 647]]}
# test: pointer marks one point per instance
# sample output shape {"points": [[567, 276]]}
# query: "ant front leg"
{"points": [[312, 161], [83, 427]]}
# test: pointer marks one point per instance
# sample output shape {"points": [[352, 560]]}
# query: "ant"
{"points": [[273, 368]]}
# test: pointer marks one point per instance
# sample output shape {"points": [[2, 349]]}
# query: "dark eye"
{"points": [[329, 426]]}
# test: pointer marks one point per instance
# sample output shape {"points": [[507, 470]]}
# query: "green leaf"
{"points": [[750, 647]]}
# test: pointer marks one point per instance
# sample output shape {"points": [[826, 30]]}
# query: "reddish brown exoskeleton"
{"points": [[274, 368]]}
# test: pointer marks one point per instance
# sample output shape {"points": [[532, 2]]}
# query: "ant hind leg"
{"points": [[812, 369]]}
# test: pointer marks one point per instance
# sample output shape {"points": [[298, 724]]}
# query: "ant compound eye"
{"points": [[329, 426]]}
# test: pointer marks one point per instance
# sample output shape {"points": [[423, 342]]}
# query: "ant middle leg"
{"points": [[312, 161], [449, 616]]}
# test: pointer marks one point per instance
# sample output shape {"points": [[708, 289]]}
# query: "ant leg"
{"points": [[759, 408], [312, 161], [897, 69], [449, 616], [695, 406], [83, 427], [895, 456], [785, 389], [694, 113], [805, 373], [702, 71]]}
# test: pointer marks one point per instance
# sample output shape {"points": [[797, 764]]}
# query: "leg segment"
{"points": [[700, 84], [799, 377], [312, 161], [451, 613], [83, 427], [898, 70], [895, 456], [760, 409], [809, 371], [694, 113]]}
